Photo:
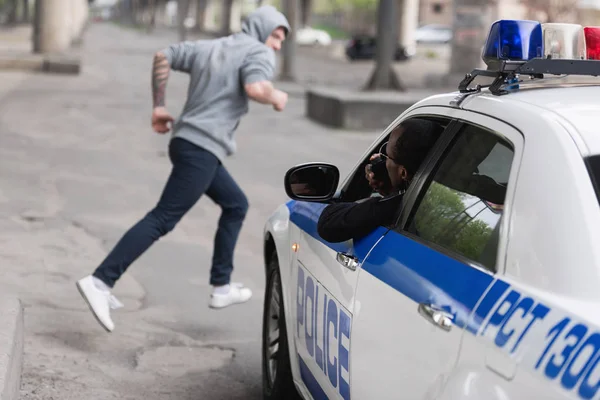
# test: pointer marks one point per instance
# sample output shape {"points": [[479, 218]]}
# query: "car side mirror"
{"points": [[312, 182]]}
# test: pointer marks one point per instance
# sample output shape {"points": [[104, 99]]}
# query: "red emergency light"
{"points": [[592, 42]]}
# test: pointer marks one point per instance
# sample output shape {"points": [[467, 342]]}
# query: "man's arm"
{"points": [[257, 73], [345, 221], [160, 75], [262, 92], [177, 57]]}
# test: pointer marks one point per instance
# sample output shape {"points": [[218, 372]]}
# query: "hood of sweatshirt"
{"points": [[263, 21]]}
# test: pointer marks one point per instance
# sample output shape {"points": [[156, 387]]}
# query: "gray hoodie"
{"points": [[219, 69]]}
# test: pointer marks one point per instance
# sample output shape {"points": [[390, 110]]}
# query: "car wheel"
{"points": [[278, 382]]}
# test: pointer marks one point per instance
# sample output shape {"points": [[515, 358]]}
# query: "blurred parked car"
{"points": [[310, 36], [434, 34], [363, 47]]}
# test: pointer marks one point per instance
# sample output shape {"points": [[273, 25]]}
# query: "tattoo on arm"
{"points": [[160, 75]]}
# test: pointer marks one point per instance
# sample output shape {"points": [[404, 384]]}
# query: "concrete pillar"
{"points": [[409, 22], [77, 19], [54, 26]]}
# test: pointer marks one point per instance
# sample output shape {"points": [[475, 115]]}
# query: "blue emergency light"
{"points": [[513, 40], [521, 47]]}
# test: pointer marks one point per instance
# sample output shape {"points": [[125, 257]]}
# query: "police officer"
{"points": [[409, 144]]}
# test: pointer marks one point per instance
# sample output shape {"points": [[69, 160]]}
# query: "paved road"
{"points": [[78, 165]]}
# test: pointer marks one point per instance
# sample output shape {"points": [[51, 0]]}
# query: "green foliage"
{"points": [[334, 32], [358, 5], [441, 220]]}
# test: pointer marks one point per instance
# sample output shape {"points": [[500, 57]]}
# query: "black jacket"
{"points": [[344, 221]]}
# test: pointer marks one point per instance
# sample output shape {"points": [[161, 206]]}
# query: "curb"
{"points": [[359, 110], [59, 64], [11, 347]]}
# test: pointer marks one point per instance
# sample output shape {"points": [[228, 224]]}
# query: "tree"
{"points": [[26, 11], [288, 73], [384, 76], [12, 11], [152, 6], [183, 8], [305, 12], [226, 17]]}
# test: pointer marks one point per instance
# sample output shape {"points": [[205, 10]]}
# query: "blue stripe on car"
{"points": [[311, 382]]}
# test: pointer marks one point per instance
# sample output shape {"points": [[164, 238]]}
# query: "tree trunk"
{"points": [[12, 12], [135, 11], [26, 13], [37, 12], [288, 72], [201, 14], [152, 9], [305, 12], [183, 7], [384, 76], [226, 17]]}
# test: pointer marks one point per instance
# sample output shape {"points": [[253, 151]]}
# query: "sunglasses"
{"points": [[383, 152]]}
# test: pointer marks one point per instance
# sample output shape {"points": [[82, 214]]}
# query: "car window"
{"points": [[461, 207], [358, 187]]}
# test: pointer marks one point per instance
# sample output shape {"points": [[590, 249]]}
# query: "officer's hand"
{"points": [[375, 184], [281, 99], [161, 119]]}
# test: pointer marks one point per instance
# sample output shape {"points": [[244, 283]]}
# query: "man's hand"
{"points": [[280, 100], [378, 186], [160, 120]]}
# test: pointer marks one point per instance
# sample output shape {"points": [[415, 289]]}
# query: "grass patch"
{"points": [[333, 31]]}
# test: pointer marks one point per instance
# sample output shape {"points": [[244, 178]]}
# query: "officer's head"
{"points": [[409, 144]]}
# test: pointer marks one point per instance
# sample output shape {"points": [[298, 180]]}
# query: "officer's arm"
{"points": [[345, 221]]}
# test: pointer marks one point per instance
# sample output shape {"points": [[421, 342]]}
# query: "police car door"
{"points": [[323, 291], [421, 282]]}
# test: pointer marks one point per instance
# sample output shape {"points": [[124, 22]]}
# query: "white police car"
{"points": [[479, 291]]}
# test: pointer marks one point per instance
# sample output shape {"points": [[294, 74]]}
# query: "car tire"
{"points": [[281, 386]]}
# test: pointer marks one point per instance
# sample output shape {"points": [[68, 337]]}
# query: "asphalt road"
{"points": [[79, 165]]}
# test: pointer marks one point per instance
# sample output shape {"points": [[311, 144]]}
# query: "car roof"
{"points": [[579, 104]]}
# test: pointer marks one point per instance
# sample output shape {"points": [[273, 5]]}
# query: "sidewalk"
{"points": [[78, 166]]}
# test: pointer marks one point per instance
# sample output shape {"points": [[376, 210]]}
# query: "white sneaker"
{"points": [[237, 294], [98, 298]]}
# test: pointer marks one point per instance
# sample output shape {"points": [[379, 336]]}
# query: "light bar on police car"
{"points": [[563, 41], [513, 40], [524, 47], [592, 42]]}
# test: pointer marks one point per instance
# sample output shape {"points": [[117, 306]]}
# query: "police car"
{"points": [[488, 284]]}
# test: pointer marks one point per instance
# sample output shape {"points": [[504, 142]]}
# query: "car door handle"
{"points": [[348, 261], [437, 317]]}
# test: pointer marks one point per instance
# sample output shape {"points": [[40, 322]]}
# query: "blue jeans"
{"points": [[195, 172]]}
